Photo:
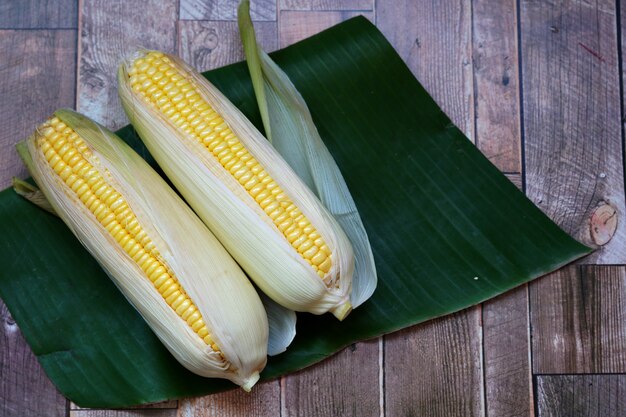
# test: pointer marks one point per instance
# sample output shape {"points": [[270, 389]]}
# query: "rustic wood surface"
{"points": [[536, 84], [577, 319], [581, 395], [107, 35], [37, 76], [571, 108]]}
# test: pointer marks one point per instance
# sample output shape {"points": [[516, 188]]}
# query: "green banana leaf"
{"points": [[448, 231]]}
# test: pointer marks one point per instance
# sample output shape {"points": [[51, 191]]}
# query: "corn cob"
{"points": [[156, 250], [242, 189]]}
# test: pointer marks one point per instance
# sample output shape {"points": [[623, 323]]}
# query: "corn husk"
{"points": [[33, 194], [230, 307], [289, 127], [234, 216], [282, 324]]}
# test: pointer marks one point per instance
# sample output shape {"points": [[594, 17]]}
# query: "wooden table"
{"points": [[537, 85]]}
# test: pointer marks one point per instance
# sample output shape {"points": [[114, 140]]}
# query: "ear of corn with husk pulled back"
{"points": [[271, 223], [159, 254]]}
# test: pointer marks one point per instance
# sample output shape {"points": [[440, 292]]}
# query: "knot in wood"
{"points": [[603, 223]]}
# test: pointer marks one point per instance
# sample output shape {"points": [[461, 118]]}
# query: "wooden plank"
{"points": [[622, 30], [434, 369], [263, 401], [621, 10], [578, 319], [573, 139], [506, 346], [297, 25], [581, 395], [327, 5], [110, 31], [496, 82], [209, 45], [348, 382], [164, 404], [37, 76], [39, 14], [505, 319], [516, 179], [25, 390], [124, 413], [260, 10], [341, 389], [345, 384], [435, 40]]}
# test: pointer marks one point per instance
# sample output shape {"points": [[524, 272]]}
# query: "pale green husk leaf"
{"points": [[289, 127], [282, 322]]}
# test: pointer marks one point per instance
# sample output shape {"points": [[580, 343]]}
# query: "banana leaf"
{"points": [[447, 229]]}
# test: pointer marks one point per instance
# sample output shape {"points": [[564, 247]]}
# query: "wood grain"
{"points": [[37, 76], [164, 404], [573, 137], [124, 413], [264, 400], [581, 395], [505, 319], [224, 47], [506, 346], [434, 369], [435, 40], [110, 31], [260, 10], [620, 9], [516, 179], [38, 14], [25, 390], [297, 25], [327, 5], [578, 320], [346, 384], [208, 45], [496, 80]]}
